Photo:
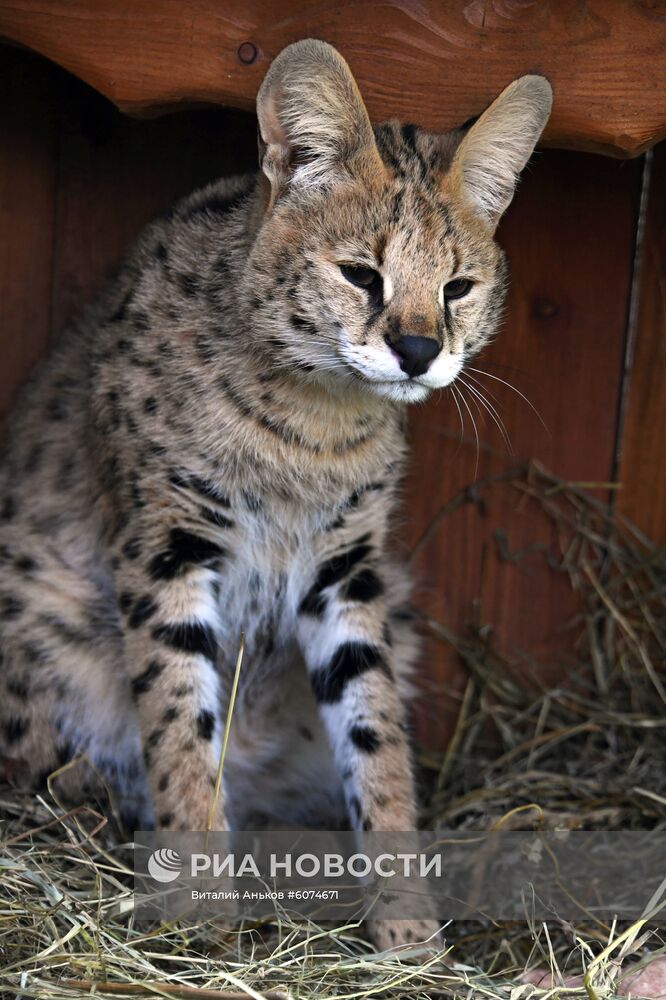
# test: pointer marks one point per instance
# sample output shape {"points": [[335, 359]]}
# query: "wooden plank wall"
{"points": [[78, 180], [28, 178], [642, 458]]}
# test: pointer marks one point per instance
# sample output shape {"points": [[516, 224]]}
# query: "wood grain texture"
{"points": [[569, 235], [643, 449], [425, 61], [28, 170]]}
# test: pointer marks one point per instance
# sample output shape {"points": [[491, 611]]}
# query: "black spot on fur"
{"points": [[303, 324], [403, 614], [252, 502], [182, 690], [154, 738], [144, 609], [18, 688], [135, 494], [125, 601], [364, 586], [171, 713], [331, 572], [188, 638], [8, 510], [206, 349], [55, 410], [140, 321], [217, 518], [150, 405], [25, 564], [15, 729], [313, 604], [281, 429], [467, 124], [11, 608], [153, 448], [132, 549], [166, 819], [355, 499], [163, 783], [189, 284], [144, 681], [185, 549], [351, 660], [34, 459], [364, 738], [120, 313], [409, 133], [205, 724], [201, 486], [111, 472], [114, 408], [35, 654], [66, 632], [234, 396], [66, 474]]}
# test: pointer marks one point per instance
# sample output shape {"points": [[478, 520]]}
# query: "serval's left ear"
{"points": [[489, 159], [313, 124]]}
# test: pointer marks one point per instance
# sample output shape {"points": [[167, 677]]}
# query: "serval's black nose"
{"points": [[415, 353]]}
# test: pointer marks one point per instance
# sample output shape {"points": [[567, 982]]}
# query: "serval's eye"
{"points": [[362, 277], [457, 288]]}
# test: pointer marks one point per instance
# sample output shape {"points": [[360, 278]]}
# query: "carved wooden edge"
{"points": [[425, 61]]}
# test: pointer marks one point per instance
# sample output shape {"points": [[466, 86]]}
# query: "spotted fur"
{"points": [[216, 447]]}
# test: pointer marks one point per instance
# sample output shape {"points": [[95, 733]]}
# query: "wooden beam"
{"points": [[434, 63]]}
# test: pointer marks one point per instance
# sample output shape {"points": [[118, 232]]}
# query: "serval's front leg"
{"points": [[346, 641], [167, 582]]}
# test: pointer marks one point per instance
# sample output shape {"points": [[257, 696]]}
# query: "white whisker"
{"points": [[482, 386], [517, 391], [460, 416], [476, 433], [487, 405]]}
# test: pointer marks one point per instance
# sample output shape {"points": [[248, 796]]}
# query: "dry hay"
{"points": [[589, 753]]}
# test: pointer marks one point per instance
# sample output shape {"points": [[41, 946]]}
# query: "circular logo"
{"points": [[164, 865]]}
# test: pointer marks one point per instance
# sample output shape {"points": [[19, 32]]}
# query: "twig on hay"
{"points": [[165, 989]]}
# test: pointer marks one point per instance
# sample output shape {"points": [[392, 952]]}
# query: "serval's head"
{"points": [[376, 263]]}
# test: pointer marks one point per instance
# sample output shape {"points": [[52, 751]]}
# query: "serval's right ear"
{"points": [[313, 124]]}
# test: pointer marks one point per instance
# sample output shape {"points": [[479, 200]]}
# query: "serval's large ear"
{"points": [[491, 155], [313, 124]]}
